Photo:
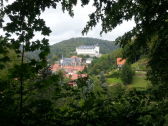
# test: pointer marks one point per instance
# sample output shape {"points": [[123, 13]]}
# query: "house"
{"points": [[67, 69], [120, 62], [71, 67], [89, 60], [91, 50], [55, 67], [73, 61]]}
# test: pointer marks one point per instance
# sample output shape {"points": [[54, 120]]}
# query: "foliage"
{"points": [[13, 60], [148, 37], [67, 48], [105, 63], [114, 81], [102, 77], [3, 52], [24, 21], [140, 81], [113, 74], [126, 74], [140, 65], [8, 103], [47, 100]]}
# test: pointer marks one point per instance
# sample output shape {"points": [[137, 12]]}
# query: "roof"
{"points": [[70, 61], [74, 57], [55, 67], [121, 61], [77, 68]]}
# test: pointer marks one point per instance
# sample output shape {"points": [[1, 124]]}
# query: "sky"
{"points": [[64, 27]]}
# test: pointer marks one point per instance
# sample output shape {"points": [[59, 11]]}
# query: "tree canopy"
{"points": [[37, 98], [149, 34]]}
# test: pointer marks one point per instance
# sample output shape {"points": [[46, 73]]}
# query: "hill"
{"points": [[67, 47]]}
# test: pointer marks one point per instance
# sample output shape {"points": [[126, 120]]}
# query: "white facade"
{"points": [[89, 60], [88, 50]]}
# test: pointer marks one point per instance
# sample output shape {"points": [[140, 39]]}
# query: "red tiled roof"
{"points": [[77, 68], [121, 61], [74, 57], [55, 67]]}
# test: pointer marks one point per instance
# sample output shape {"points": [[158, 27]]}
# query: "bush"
{"points": [[126, 74], [114, 74]]}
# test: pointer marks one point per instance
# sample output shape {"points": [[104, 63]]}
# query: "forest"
{"points": [[67, 48], [31, 96]]}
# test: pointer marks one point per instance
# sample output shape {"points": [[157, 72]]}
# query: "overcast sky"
{"points": [[65, 27]]}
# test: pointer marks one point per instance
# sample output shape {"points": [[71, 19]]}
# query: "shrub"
{"points": [[126, 74]]}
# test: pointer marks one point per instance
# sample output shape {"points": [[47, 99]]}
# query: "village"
{"points": [[83, 63], [74, 65]]}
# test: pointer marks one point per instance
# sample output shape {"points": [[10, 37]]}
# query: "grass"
{"points": [[139, 82], [140, 65], [114, 81]]}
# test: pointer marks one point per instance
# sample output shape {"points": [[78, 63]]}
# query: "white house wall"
{"points": [[94, 51]]}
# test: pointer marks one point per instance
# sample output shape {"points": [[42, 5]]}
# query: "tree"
{"points": [[146, 14], [102, 77], [105, 63], [24, 21], [151, 20], [126, 74]]}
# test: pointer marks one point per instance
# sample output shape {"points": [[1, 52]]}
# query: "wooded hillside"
{"points": [[67, 47]]}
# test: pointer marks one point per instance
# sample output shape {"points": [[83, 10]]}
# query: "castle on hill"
{"points": [[91, 50]]}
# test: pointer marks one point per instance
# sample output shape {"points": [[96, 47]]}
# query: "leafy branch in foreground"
{"points": [[148, 37], [20, 31]]}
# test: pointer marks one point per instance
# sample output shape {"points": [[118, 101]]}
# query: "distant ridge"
{"points": [[81, 39], [67, 47]]}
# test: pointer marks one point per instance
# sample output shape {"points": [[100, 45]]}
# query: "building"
{"points": [[73, 61], [55, 67], [71, 65], [120, 62], [91, 50], [89, 60]]}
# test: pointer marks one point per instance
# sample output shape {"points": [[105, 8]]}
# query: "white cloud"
{"points": [[64, 27]]}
